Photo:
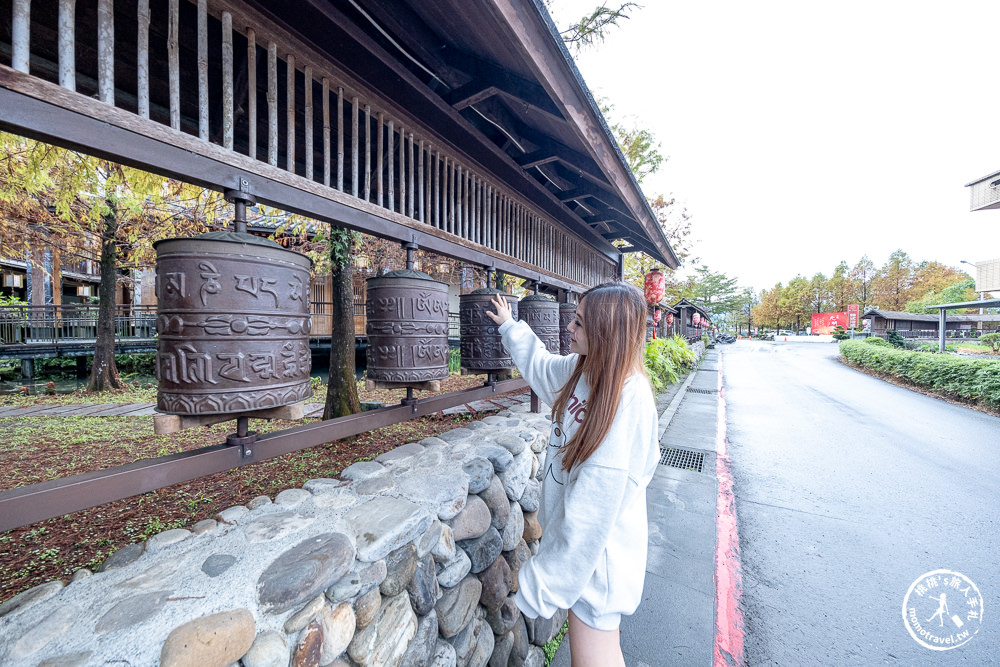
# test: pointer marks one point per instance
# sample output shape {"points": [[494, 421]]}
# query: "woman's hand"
{"points": [[502, 307]]}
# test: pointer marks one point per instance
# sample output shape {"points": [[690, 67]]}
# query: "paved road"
{"points": [[848, 489]]}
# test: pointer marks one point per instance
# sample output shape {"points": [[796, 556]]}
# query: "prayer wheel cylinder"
{"points": [[542, 315], [407, 328], [567, 312], [232, 324], [481, 348]]}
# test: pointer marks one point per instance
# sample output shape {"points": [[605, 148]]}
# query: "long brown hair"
{"points": [[614, 322]]}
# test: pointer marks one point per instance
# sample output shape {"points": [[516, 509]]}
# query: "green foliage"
{"points": [[142, 363], [454, 360], [552, 646], [975, 380], [839, 333], [993, 340], [664, 359], [593, 27], [962, 290], [895, 339], [875, 340]]}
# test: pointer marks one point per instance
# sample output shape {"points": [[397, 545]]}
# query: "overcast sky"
{"points": [[805, 133]]}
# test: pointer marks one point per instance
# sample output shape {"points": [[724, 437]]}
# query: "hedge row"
{"points": [[976, 380]]}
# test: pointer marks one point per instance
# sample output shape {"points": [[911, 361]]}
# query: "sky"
{"points": [[800, 134]]}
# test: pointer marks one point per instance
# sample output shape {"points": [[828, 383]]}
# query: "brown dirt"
{"points": [[56, 548]]}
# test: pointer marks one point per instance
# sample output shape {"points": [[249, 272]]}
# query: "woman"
{"points": [[602, 454]]}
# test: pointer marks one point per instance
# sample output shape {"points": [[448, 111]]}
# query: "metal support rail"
{"points": [[30, 504]]}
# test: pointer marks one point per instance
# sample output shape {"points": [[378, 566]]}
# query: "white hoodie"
{"points": [[592, 557]]}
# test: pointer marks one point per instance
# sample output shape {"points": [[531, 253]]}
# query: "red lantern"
{"points": [[655, 286], [656, 315], [670, 319], [695, 319]]}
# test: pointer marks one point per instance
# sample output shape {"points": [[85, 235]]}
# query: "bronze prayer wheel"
{"points": [[232, 324], [407, 328], [567, 312], [481, 348], [542, 314]]}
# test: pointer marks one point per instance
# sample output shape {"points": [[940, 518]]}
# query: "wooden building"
{"points": [[920, 325], [692, 320]]}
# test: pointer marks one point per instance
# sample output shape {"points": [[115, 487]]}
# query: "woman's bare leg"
{"points": [[590, 647]]}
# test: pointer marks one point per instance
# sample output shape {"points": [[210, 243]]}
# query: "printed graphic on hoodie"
{"points": [[575, 411]]}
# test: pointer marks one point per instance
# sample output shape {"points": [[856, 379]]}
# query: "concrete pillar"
{"points": [[82, 368], [27, 369]]}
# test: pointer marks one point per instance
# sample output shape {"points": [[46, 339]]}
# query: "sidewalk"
{"points": [[675, 624]]}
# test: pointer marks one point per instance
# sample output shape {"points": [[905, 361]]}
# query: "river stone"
{"points": [[204, 526], [401, 452], [339, 625], [485, 643], [541, 456], [216, 564], [532, 529], [309, 647], [335, 500], [476, 426], [432, 441], [531, 496], [383, 524], [362, 578], [384, 641], [465, 642], [480, 472], [122, 557], [373, 486], [429, 460], [515, 478], [80, 575], [501, 650], [497, 455], [533, 547], [400, 566], [472, 521], [494, 420], [457, 435], [514, 529], [292, 497], [539, 442], [304, 570], [535, 466], [502, 620], [512, 443], [33, 596], [258, 502], [521, 644], [443, 550], [536, 657], [421, 649], [515, 558], [444, 655], [362, 470], [153, 577], [217, 640], [131, 610], [166, 538], [443, 490], [423, 587], [233, 515], [457, 605], [273, 526], [429, 539], [52, 627], [269, 649], [542, 630], [366, 606], [452, 572], [483, 550], [302, 617], [496, 499], [68, 660], [320, 485], [496, 581]]}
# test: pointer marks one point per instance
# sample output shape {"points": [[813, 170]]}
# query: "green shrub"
{"points": [[840, 333], [875, 340], [664, 359], [976, 380], [454, 360], [993, 340], [895, 339]]}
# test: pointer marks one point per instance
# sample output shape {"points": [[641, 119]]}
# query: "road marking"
{"points": [[728, 571]]}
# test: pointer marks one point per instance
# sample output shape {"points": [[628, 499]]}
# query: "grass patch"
{"points": [[553, 645]]}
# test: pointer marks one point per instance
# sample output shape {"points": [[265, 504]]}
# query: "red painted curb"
{"points": [[728, 571]]}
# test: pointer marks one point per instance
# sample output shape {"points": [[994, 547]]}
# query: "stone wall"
{"points": [[410, 559]]}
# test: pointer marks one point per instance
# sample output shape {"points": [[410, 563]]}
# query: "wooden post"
{"points": [[340, 138], [290, 112], [409, 155], [106, 51], [390, 135], [252, 92], [368, 152], [308, 120], [227, 80], [203, 70], [272, 104], [67, 48], [326, 132], [354, 145], [379, 186]]}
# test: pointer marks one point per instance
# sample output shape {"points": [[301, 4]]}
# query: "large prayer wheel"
{"points": [[542, 315], [232, 324], [407, 328], [481, 348], [567, 312]]}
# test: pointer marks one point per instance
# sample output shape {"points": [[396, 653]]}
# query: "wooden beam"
{"points": [[486, 76]]}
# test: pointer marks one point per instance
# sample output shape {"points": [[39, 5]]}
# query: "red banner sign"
{"points": [[824, 323], [852, 316]]}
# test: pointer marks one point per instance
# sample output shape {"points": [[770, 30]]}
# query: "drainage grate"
{"points": [[703, 391], [681, 458]]}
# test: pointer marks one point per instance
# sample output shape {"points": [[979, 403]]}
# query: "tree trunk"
{"points": [[103, 372], [342, 391]]}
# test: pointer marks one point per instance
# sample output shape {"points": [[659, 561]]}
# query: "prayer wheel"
{"points": [[542, 315], [567, 312], [482, 350], [407, 328], [232, 324]]}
